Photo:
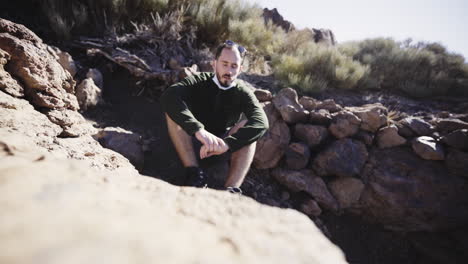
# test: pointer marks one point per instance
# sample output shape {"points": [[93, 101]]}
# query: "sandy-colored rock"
{"points": [[427, 148], [125, 142], [286, 102], [347, 191], [69, 214], [44, 80], [88, 94], [373, 116], [388, 137], [344, 158], [8, 84], [65, 59], [272, 145], [297, 156], [311, 134], [72, 122], [344, 124], [97, 77]]}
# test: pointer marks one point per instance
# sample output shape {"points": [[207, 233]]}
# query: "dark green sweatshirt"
{"points": [[197, 102]]}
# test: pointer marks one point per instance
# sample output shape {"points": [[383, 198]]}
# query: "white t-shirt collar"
{"points": [[216, 81]]}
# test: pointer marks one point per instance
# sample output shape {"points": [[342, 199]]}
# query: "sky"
{"points": [[442, 21]]}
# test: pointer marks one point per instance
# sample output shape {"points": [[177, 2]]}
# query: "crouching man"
{"points": [[209, 106]]}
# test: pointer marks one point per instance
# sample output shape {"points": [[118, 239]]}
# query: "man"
{"points": [[208, 106]]}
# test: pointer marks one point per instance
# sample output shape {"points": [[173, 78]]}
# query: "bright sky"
{"points": [[443, 21]]}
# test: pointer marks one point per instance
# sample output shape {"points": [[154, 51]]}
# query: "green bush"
{"points": [[422, 69], [312, 68]]}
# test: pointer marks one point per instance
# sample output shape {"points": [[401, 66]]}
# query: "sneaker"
{"points": [[194, 176], [235, 190]]}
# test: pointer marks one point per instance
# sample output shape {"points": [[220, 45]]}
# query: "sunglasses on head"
{"points": [[230, 43]]}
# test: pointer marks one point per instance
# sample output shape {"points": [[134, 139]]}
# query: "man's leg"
{"points": [[240, 165], [182, 143], [240, 160]]}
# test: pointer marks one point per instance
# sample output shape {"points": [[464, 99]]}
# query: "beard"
{"points": [[224, 80]]}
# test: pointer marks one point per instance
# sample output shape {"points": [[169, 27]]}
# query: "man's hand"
{"points": [[212, 145]]}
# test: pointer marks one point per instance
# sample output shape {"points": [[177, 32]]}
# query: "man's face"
{"points": [[228, 66]]}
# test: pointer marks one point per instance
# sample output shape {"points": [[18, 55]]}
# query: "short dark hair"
{"points": [[228, 44]]}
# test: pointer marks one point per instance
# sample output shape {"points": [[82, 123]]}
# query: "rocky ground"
{"points": [[382, 175]]}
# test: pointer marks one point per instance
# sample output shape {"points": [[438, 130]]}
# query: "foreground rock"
{"points": [[68, 213]]}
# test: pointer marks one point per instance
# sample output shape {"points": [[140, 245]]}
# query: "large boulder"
{"points": [[404, 192], [447, 125], [72, 122], [273, 16], [69, 213], [307, 181], [417, 125], [45, 81], [287, 104], [457, 139], [344, 124], [347, 191], [272, 145], [457, 162], [344, 158]]}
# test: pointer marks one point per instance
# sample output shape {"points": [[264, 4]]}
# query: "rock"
{"points": [[311, 134], [448, 125], [417, 125], [329, 105], [65, 59], [8, 83], [19, 31], [344, 158], [125, 142], [287, 104], [309, 103], [263, 95], [366, 137], [277, 19], [272, 145], [311, 208], [406, 193], [324, 36], [88, 94], [72, 123], [427, 148], [306, 181], [125, 218], [344, 124], [457, 162], [97, 77], [373, 116], [347, 191], [388, 137], [44, 79], [18, 115], [320, 117], [457, 139], [297, 156]]}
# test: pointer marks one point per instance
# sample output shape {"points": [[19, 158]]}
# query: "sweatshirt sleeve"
{"points": [[174, 103], [256, 126]]}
